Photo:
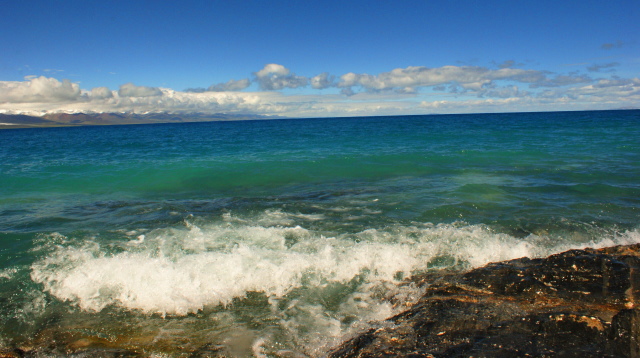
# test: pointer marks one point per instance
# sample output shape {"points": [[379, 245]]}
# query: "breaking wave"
{"points": [[177, 271]]}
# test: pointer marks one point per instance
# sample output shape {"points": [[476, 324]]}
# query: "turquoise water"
{"points": [[282, 237]]}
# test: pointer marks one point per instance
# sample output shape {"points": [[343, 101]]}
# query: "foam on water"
{"points": [[177, 271], [8, 273]]}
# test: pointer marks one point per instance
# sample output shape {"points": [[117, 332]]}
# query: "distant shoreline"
{"points": [[14, 121], [51, 120]]}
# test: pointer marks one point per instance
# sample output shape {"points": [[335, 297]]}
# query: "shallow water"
{"points": [[280, 238]]}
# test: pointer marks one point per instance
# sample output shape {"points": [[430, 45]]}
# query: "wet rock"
{"points": [[11, 353], [86, 353], [572, 274], [625, 333], [59, 345], [579, 303]]}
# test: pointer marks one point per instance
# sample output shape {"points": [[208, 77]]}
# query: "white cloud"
{"points": [[468, 77], [100, 93], [131, 90], [476, 86], [614, 89], [519, 104], [277, 77], [322, 81], [455, 89], [272, 69], [176, 101], [618, 82], [38, 89]]}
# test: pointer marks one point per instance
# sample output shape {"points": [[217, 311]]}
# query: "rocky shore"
{"points": [[580, 303]]}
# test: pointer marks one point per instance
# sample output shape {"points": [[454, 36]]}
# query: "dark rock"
{"points": [[625, 333], [575, 304], [12, 353]]}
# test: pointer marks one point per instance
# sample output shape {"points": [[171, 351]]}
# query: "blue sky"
{"points": [[319, 58]]}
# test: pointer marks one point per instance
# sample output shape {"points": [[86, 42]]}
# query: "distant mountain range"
{"points": [[85, 119]]}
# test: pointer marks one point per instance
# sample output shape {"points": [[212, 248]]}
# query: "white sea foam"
{"points": [[177, 271], [8, 273]]}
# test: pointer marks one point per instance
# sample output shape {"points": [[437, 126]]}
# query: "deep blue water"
{"points": [[287, 231]]}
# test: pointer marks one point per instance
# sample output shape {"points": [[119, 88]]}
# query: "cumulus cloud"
{"points": [[131, 90], [276, 77], [322, 81], [466, 77], [100, 93], [231, 85], [39, 89]]}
